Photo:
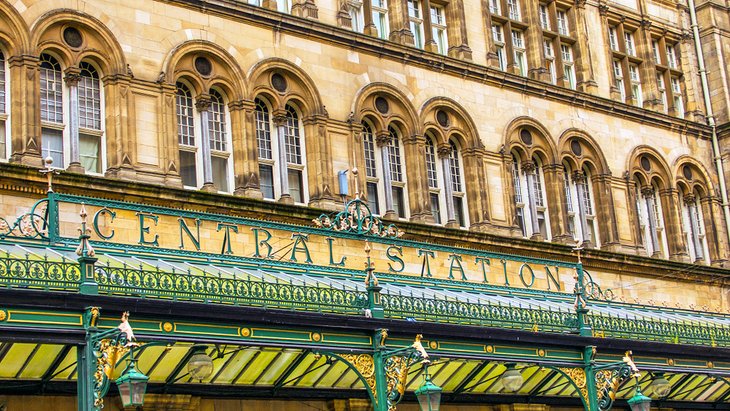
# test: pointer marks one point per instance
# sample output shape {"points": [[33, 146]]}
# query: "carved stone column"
{"points": [[319, 162], [585, 76], [399, 23], [457, 31], [369, 27], [418, 192], [673, 225], [120, 142], [71, 78], [429, 44], [534, 48], [444, 153], [383, 140], [202, 104], [715, 230], [279, 117], [245, 149], [24, 104], [647, 70], [477, 189], [606, 213]]}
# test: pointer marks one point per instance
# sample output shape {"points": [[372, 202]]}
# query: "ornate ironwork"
{"points": [[651, 330], [231, 290], [578, 378], [36, 273], [30, 225], [356, 218]]}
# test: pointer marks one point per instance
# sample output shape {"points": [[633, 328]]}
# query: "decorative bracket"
{"points": [[358, 219]]}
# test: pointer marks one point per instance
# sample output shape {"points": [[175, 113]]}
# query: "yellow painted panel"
{"points": [[40, 362], [350, 380], [14, 359], [67, 366], [258, 365], [334, 374], [234, 367], [278, 367], [302, 368], [168, 364], [314, 373]]}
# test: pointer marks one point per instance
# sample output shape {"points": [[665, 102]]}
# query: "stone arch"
{"points": [[15, 33], [699, 179], [459, 121], [658, 168], [591, 154], [300, 86], [541, 146], [400, 110], [99, 43], [225, 74]]}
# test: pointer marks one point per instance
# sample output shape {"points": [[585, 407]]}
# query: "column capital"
{"points": [[603, 9], [528, 167], [279, 117], [72, 76], [444, 150], [382, 138], [202, 103], [647, 191], [578, 177], [689, 199]]}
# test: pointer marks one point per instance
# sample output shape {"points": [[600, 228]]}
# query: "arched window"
{"points": [[530, 204], [651, 220], [4, 115], [385, 172], [281, 159], [581, 209], [52, 119], [694, 227], [79, 143], [446, 193], [203, 139], [90, 124]]}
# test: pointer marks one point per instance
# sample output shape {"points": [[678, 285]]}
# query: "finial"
{"points": [[49, 172], [370, 279], [355, 171], [578, 249], [84, 249]]}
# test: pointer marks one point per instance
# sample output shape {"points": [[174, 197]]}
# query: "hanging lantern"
{"points": [[132, 384], [200, 365], [512, 378], [428, 394]]}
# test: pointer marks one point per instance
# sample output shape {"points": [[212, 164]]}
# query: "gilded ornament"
{"points": [[245, 332], [316, 337], [433, 345], [3, 315], [167, 327], [490, 349], [670, 361], [541, 352]]}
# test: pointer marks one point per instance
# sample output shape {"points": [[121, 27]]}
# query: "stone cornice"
{"points": [[315, 30]]}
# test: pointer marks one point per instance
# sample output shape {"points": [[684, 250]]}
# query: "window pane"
{"points": [[368, 142], [398, 205], [89, 97], [51, 90], [293, 141], [455, 168], [373, 198], [394, 156], [263, 130], [52, 142], [459, 211], [89, 153], [295, 185], [217, 122], [185, 127], [3, 146], [220, 173], [435, 208], [431, 164], [266, 180], [188, 173], [2, 85]]}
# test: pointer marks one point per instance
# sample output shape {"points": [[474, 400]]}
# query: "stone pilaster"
{"points": [[279, 117], [245, 149], [120, 143], [584, 71], [24, 91], [202, 105], [319, 163], [456, 31], [418, 193], [676, 241], [715, 231], [557, 207], [400, 30]]}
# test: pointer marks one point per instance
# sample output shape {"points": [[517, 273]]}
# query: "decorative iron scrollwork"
{"points": [[358, 219], [33, 224]]}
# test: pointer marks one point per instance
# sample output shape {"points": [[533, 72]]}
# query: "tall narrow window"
{"points": [[514, 10], [380, 18], [655, 51], [672, 57], [498, 36], [458, 194], [530, 198], [438, 28], [218, 141], [52, 126], [661, 86], [544, 17], [371, 169], [636, 84], [520, 52], [550, 60], [416, 22], [396, 173], [265, 150], [4, 128], [566, 52], [356, 17], [651, 220], [618, 79], [694, 228], [284, 6], [90, 131], [294, 158], [186, 136], [495, 7], [562, 18], [581, 214], [629, 39], [613, 38], [433, 180], [677, 97]]}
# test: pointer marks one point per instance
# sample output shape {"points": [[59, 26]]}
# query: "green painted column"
{"points": [[590, 379], [381, 385]]}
